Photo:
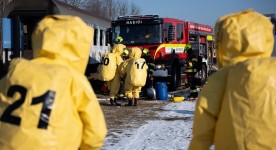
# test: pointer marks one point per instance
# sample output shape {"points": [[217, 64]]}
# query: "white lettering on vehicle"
{"points": [[192, 26], [134, 22], [169, 50]]}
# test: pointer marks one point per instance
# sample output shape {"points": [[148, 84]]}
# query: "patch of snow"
{"points": [[172, 131]]}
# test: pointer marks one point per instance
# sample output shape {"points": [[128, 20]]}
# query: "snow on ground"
{"points": [[172, 132]]}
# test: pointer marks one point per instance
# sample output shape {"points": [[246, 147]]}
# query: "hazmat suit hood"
{"points": [[240, 36], [56, 36], [57, 107], [119, 48], [235, 110], [135, 53]]}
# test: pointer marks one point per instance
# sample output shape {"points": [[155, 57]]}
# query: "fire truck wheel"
{"points": [[175, 79]]}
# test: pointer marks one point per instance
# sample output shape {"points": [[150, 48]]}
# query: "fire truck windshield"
{"points": [[138, 34]]}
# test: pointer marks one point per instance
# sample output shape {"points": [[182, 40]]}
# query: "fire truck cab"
{"points": [[166, 40]]}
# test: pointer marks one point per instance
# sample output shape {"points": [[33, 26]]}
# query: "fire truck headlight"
{"points": [[160, 67]]}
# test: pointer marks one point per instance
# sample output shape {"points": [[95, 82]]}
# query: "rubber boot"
{"points": [[115, 102], [129, 102], [135, 102], [112, 102], [193, 94]]}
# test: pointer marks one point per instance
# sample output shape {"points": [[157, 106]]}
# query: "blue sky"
{"points": [[202, 11]]}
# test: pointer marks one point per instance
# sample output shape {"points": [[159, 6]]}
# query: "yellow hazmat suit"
{"points": [[114, 84], [135, 70], [236, 109], [48, 103]]}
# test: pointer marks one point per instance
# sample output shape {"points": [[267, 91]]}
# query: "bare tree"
{"points": [[95, 7], [122, 8], [111, 9], [134, 9], [76, 3]]}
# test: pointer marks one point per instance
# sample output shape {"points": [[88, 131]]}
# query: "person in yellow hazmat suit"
{"points": [[114, 84], [47, 102], [236, 108], [135, 71], [121, 94]]}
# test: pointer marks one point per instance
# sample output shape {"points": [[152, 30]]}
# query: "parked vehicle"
{"points": [[166, 39], [21, 16]]}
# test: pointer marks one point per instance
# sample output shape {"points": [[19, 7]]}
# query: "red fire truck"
{"points": [[166, 39]]}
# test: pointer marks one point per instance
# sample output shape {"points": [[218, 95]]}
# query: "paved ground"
{"points": [[122, 118]]}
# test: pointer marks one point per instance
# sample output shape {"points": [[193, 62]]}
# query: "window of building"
{"points": [[106, 38], [96, 37], [101, 38]]}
